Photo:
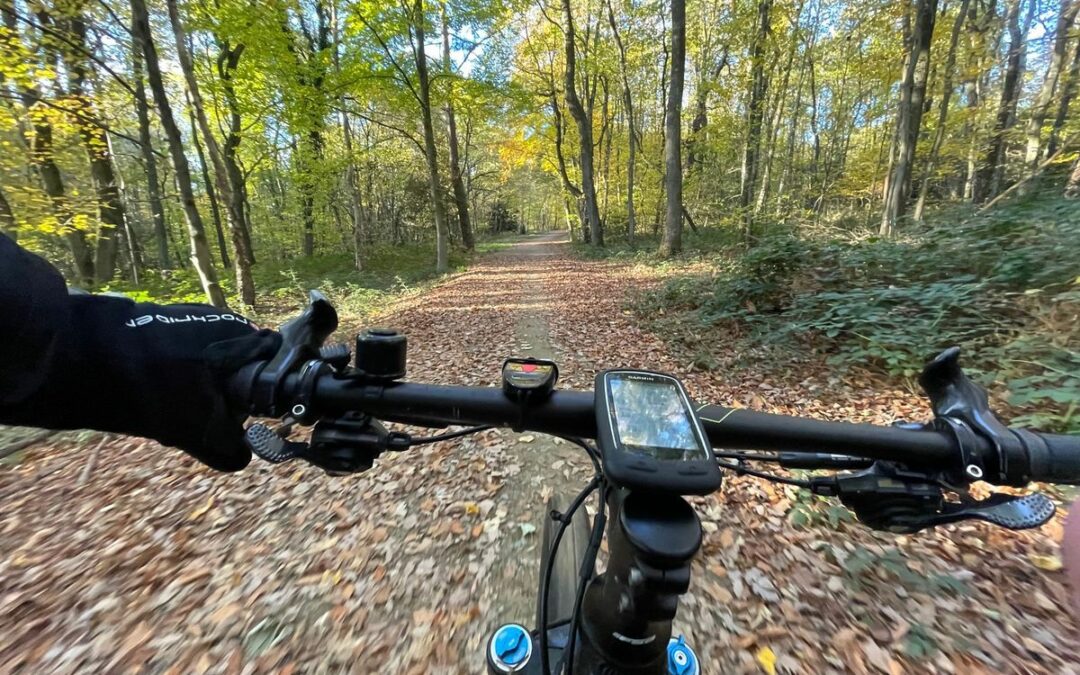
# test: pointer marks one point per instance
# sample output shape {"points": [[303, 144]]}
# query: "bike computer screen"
{"points": [[649, 435], [650, 419]]}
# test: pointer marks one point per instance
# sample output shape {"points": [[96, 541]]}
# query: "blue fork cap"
{"points": [[511, 647], [681, 659]]}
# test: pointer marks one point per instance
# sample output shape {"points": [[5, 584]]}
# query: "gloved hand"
{"points": [[156, 371]]}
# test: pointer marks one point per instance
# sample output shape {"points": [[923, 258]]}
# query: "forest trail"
{"points": [[149, 562]]}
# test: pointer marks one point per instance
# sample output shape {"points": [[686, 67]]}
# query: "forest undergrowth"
{"points": [[1004, 286]]}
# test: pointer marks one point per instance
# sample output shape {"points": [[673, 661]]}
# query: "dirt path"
{"points": [[155, 564]]}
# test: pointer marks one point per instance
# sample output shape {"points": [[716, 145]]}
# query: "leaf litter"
{"points": [[153, 563]]}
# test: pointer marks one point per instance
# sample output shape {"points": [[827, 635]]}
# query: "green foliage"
{"points": [[502, 219], [1002, 286], [388, 271], [810, 510], [863, 567], [919, 643]]}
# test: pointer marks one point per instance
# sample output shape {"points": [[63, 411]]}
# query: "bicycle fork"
{"points": [[625, 624]]}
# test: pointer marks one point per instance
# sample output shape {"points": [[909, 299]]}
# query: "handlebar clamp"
{"points": [[962, 407]]}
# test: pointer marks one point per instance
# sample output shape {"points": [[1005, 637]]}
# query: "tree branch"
{"points": [[77, 47], [1038, 171], [82, 118], [393, 60], [385, 125]]}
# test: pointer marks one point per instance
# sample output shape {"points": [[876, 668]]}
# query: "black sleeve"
{"points": [[79, 361], [34, 314]]}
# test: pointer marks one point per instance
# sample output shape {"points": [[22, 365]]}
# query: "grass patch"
{"points": [[704, 243], [283, 284]]}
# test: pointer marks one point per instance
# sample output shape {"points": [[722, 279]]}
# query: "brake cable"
{"points": [[564, 522], [741, 469], [449, 435], [588, 568], [589, 450], [745, 456]]}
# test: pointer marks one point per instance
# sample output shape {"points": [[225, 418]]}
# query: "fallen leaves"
{"points": [[156, 563], [767, 659], [1047, 563], [201, 511]]}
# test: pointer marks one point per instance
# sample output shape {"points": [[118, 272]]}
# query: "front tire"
{"points": [[566, 566]]}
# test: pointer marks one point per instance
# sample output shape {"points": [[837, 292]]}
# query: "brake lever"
{"points": [[338, 447], [273, 446], [889, 498], [1008, 511], [302, 339]]}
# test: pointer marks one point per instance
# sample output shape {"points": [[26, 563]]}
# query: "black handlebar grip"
{"points": [[1053, 458]]}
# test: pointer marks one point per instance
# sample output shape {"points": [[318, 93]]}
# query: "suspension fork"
{"points": [[627, 611]]}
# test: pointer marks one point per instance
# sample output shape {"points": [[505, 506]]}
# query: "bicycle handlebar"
{"points": [[1017, 460]]}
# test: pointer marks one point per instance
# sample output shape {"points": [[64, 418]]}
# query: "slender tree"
{"points": [[228, 180], [431, 153], [356, 207], [943, 108], [1070, 83], [200, 250], [112, 213], [149, 158], [584, 127], [1058, 56], [755, 113], [631, 131], [909, 115], [988, 177], [672, 241], [211, 191], [461, 195]]}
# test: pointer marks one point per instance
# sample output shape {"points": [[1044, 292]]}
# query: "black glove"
{"points": [[149, 370]]}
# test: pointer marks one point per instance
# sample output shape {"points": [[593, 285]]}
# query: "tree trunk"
{"points": [[789, 153], [442, 253], [1072, 188], [943, 110], [211, 192], [8, 224], [237, 205], [356, 208], [42, 159], [672, 242], [41, 154], [1041, 107], [306, 160], [628, 105], [988, 178], [909, 116], [778, 111], [697, 126], [755, 113], [352, 183], [228, 178], [111, 211], [461, 195], [1069, 85], [200, 250], [584, 125], [146, 148]]}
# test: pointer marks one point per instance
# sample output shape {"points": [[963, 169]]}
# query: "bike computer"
{"points": [[649, 436]]}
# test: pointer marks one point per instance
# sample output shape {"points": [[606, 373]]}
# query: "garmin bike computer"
{"points": [[649, 436]]}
